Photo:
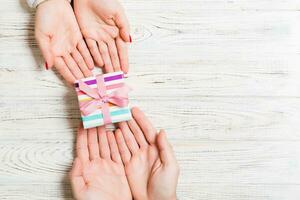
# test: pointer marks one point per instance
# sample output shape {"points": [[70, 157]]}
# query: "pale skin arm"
{"points": [[60, 40], [105, 27], [97, 171], [150, 164]]}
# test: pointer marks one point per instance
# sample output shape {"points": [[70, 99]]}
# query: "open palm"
{"points": [[106, 29], [150, 165], [98, 172], [60, 40]]}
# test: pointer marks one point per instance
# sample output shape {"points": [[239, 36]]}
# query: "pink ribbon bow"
{"points": [[101, 99]]}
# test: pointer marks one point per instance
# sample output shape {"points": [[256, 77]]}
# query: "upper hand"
{"points": [[150, 165], [98, 172], [60, 40], [105, 27]]}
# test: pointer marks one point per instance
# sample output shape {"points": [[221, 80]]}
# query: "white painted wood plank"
{"points": [[205, 118], [237, 55], [221, 167], [50, 191], [220, 76], [242, 5]]}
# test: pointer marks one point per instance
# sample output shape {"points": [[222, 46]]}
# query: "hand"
{"points": [[150, 165], [105, 27], [60, 40], [98, 172]]}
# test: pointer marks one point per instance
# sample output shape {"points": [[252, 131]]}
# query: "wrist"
{"points": [[37, 3], [174, 198], [80, 3], [141, 197], [162, 197]]}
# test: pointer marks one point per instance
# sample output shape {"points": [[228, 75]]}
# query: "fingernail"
{"points": [[46, 65], [130, 39], [125, 75]]}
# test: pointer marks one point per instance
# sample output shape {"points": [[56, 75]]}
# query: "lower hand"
{"points": [[150, 164], [98, 171]]}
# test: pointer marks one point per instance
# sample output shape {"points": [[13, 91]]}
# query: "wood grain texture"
{"points": [[222, 77]]}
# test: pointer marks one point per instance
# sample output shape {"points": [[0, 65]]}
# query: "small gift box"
{"points": [[103, 99]]}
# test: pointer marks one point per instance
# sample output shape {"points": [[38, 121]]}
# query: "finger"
{"points": [[81, 63], [103, 143], [77, 181], [82, 146], [123, 25], [63, 69], [93, 47], [105, 56], [112, 30], [93, 144], [82, 48], [122, 48], [165, 150], [73, 67], [114, 152], [135, 129], [114, 54], [123, 149], [129, 138], [45, 47], [145, 125]]}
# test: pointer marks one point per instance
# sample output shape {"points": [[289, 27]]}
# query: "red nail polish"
{"points": [[46, 65], [130, 39]]}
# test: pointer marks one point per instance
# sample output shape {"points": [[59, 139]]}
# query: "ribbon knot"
{"points": [[105, 99], [100, 98]]}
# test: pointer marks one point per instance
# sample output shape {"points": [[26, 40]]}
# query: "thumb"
{"points": [[165, 149], [76, 177], [45, 47], [123, 25]]}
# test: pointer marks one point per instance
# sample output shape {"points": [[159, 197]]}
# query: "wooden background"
{"points": [[221, 76]]}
